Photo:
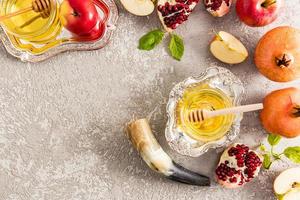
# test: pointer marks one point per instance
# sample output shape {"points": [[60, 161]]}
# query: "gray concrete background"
{"points": [[62, 120]]}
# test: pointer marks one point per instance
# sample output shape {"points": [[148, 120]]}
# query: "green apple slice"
{"points": [[228, 49], [287, 184], [294, 194], [139, 7]]}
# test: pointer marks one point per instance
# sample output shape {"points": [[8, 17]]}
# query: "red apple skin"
{"points": [[252, 13], [280, 115], [94, 34], [79, 16]]}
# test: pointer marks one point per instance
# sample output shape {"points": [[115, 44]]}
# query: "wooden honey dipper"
{"points": [[40, 6], [203, 114]]}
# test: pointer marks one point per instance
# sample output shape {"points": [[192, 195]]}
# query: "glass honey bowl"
{"points": [[31, 26], [214, 89]]}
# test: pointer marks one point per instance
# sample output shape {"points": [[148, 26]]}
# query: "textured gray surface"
{"points": [[61, 121]]}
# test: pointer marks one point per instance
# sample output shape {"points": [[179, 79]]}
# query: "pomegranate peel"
{"points": [[218, 8], [238, 165], [172, 13], [277, 55], [281, 113]]}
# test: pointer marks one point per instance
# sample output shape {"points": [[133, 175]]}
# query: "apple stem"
{"points": [[217, 35], [75, 14], [284, 60], [268, 3]]}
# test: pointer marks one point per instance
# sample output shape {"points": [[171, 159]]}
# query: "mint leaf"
{"points": [[293, 153], [150, 40], [176, 47], [267, 161], [273, 139]]}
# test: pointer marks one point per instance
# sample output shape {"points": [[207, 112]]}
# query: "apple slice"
{"points": [[226, 48], [291, 195], [139, 7], [287, 184]]}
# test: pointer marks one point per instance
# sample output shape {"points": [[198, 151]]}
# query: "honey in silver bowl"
{"points": [[31, 26], [202, 96]]}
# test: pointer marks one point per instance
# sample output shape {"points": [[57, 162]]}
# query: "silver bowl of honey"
{"points": [[31, 26], [38, 33], [214, 89]]}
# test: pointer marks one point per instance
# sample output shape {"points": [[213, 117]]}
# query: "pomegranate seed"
{"points": [[216, 4], [233, 180]]}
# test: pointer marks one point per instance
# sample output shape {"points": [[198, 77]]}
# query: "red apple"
{"points": [[281, 113], [79, 16], [258, 12], [94, 34]]}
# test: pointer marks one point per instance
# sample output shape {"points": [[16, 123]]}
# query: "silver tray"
{"points": [[27, 56]]}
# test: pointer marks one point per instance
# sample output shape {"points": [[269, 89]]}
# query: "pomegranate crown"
{"points": [[296, 111], [284, 60]]}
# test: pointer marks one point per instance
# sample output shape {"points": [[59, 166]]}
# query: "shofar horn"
{"points": [[142, 138]]}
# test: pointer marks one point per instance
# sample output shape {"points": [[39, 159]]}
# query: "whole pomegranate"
{"points": [[281, 113], [277, 54], [218, 8], [238, 165], [172, 13]]}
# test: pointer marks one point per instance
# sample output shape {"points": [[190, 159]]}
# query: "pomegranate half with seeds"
{"points": [[238, 165], [218, 8], [172, 13]]}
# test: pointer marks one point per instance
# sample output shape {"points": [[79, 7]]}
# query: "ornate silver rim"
{"points": [[183, 144]]}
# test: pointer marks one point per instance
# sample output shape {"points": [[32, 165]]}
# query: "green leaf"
{"points": [[293, 153], [176, 47], [273, 139], [150, 40], [267, 161]]}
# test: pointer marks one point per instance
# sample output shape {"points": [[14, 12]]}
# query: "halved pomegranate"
{"points": [[172, 13], [238, 165], [218, 8]]}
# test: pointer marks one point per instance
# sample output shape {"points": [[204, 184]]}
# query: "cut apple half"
{"points": [[139, 7], [287, 185], [228, 49]]}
